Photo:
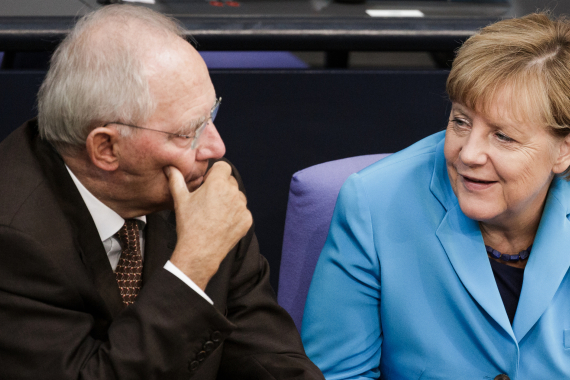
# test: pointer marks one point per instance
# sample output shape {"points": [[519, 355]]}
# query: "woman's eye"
{"points": [[503, 137], [459, 123]]}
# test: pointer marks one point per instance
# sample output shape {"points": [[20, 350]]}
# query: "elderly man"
{"points": [[98, 279]]}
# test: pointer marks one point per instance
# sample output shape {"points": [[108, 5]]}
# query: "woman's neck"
{"points": [[509, 241]]}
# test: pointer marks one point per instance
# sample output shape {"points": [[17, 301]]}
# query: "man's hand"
{"points": [[209, 221]]}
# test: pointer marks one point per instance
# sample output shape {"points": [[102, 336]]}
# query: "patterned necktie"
{"points": [[129, 270]]}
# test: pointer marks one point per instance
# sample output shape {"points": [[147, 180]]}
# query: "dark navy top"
{"points": [[509, 281]]}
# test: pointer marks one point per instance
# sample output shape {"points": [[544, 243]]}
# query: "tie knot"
{"points": [[129, 236]]}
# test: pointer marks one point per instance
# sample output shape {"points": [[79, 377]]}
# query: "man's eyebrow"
{"points": [[190, 128]]}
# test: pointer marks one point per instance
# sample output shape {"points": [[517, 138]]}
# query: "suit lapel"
{"points": [[549, 260], [160, 240], [87, 240], [463, 243], [97, 263]]}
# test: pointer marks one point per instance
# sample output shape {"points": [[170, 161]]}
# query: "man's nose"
{"points": [[474, 150], [210, 144]]}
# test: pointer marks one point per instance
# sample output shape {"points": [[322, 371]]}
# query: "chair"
{"points": [[312, 197]]}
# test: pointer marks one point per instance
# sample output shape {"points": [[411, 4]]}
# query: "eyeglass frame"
{"points": [[197, 133]]}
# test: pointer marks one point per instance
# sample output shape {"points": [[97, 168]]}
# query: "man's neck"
{"points": [[102, 185]]}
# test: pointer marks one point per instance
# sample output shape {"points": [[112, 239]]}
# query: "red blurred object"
{"points": [[232, 4], [216, 3]]}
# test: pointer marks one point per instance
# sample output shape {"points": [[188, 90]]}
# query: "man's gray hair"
{"points": [[97, 74]]}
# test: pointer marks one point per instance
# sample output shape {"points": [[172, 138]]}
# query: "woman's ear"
{"points": [[563, 161], [102, 148]]}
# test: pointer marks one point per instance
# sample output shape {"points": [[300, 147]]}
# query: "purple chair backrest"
{"points": [[312, 197]]}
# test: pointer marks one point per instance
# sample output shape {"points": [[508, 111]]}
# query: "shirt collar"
{"points": [[107, 221]]}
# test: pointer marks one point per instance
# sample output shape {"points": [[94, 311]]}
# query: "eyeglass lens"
{"points": [[212, 117]]}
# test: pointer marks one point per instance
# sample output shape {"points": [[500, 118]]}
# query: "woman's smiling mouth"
{"points": [[472, 183]]}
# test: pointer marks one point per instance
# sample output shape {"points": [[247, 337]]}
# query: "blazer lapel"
{"points": [[160, 240], [463, 243], [160, 237], [88, 243], [97, 263], [549, 260]]}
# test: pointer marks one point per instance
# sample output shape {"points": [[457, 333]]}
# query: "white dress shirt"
{"points": [[108, 224]]}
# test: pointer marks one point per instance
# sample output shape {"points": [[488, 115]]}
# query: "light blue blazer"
{"points": [[404, 290]]}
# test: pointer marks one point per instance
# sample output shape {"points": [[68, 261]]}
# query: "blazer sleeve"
{"points": [[342, 330], [265, 343]]}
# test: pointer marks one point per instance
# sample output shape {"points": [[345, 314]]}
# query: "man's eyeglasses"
{"points": [[197, 133]]}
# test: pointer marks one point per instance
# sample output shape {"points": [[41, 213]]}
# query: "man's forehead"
{"points": [[180, 66], [170, 52], [128, 33]]}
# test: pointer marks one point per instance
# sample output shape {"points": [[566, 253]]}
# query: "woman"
{"points": [[408, 285]]}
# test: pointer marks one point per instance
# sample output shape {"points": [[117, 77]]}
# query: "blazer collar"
{"points": [[159, 241], [549, 260], [547, 265], [440, 185], [87, 240], [463, 243]]}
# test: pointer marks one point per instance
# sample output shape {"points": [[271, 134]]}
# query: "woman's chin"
{"points": [[480, 211]]}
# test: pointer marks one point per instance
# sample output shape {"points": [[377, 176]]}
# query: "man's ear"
{"points": [[563, 161], [102, 148]]}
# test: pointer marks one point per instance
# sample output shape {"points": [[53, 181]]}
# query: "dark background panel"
{"points": [[17, 98], [290, 25], [275, 123]]}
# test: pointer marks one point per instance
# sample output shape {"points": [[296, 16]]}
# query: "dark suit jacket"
{"points": [[61, 314]]}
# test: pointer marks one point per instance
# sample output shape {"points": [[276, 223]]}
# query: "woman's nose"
{"points": [[474, 151]]}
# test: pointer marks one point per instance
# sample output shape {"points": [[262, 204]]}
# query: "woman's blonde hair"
{"points": [[530, 58]]}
